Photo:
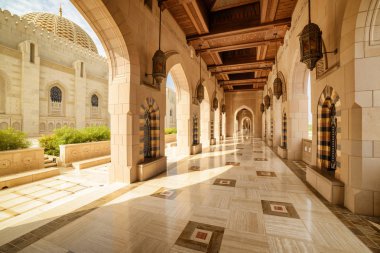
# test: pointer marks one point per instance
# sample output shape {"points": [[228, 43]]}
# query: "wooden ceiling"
{"points": [[236, 38]]}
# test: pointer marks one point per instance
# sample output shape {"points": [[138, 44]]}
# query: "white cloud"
{"points": [[21, 7]]}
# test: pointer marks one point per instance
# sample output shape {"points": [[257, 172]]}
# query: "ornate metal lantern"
{"points": [[200, 92], [215, 103], [277, 83], [311, 44], [262, 108], [200, 87], [223, 108], [159, 58], [277, 87], [159, 66], [267, 101]]}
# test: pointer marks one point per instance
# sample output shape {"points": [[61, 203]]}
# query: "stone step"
{"points": [[52, 164]]}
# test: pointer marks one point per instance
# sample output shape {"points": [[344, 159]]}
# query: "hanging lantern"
{"points": [[223, 108], [277, 83], [277, 87], [159, 66], [215, 103], [200, 92], [262, 108], [311, 44], [267, 101]]}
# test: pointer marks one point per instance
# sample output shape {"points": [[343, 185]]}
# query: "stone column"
{"points": [[30, 87], [80, 82]]}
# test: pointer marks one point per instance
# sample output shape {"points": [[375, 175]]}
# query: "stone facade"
{"points": [[33, 62], [171, 112]]}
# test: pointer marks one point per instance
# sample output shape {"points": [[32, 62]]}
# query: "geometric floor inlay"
{"points": [[233, 163], [165, 193], [260, 159], [201, 237], [265, 174], [225, 182], [282, 209]]}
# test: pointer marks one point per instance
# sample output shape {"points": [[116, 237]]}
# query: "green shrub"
{"points": [[11, 139], [172, 130], [66, 135]]}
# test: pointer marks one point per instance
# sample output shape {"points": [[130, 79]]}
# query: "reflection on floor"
{"points": [[234, 197]]}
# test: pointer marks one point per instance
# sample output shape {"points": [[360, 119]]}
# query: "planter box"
{"points": [[196, 149], [82, 151], [151, 168], [282, 152], [170, 138], [21, 160], [330, 188]]}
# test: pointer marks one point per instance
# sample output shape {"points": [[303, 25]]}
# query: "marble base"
{"points": [[282, 152], [196, 149], [331, 189], [213, 141], [151, 168]]}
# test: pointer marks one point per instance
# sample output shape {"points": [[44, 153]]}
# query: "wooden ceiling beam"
{"points": [[236, 71], [243, 81], [262, 27], [244, 90], [240, 63], [268, 10], [197, 14], [240, 46]]}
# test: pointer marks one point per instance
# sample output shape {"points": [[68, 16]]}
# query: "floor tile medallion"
{"points": [[233, 163], [166, 193], [282, 209], [201, 237], [225, 182], [266, 174]]}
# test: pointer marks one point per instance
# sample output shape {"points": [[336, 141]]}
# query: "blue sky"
{"points": [[170, 82], [21, 7]]}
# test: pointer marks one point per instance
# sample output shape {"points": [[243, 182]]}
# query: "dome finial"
{"points": [[60, 8]]}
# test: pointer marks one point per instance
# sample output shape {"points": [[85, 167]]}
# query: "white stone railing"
{"points": [[82, 151], [21, 160]]}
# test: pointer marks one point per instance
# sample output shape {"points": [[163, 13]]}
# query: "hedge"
{"points": [[11, 139], [67, 135], [172, 130]]}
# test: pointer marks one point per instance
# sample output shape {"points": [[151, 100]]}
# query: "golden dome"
{"points": [[61, 27]]}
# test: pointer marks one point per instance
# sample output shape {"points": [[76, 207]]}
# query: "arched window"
{"points": [[95, 108], [56, 94], [94, 101], [55, 102]]}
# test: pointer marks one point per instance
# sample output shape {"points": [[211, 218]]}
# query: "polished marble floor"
{"points": [[234, 197]]}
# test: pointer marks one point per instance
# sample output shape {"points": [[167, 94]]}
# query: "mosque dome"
{"points": [[62, 27]]}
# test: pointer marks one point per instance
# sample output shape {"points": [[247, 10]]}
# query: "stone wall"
{"points": [[21, 160], [77, 152]]}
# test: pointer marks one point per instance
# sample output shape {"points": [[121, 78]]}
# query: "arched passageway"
{"points": [[182, 111]]}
